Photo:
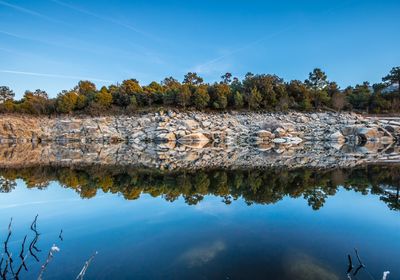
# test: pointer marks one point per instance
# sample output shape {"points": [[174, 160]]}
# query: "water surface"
{"points": [[205, 224]]}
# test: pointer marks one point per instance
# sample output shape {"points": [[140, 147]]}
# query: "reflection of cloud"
{"points": [[303, 267], [212, 208], [201, 255]]}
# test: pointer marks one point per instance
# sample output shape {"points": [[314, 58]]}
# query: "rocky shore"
{"points": [[194, 140], [197, 129]]}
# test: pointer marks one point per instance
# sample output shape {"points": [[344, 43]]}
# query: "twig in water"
{"points": [[358, 258], [23, 258], [32, 246], [350, 268], [60, 235], [50, 256], [85, 267], [9, 255]]}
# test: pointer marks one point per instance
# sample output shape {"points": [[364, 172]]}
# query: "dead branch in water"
{"points": [[54, 249], [85, 267]]}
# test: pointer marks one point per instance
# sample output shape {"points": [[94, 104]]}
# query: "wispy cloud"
{"points": [[54, 76], [108, 19], [210, 63], [28, 11]]}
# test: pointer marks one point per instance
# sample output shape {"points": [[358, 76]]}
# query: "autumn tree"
{"points": [[201, 97], [104, 97]]}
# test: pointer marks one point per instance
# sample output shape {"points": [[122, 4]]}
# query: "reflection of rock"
{"points": [[192, 138], [368, 133], [337, 137], [166, 137]]}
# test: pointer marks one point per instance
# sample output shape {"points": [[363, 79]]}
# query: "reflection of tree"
{"points": [[253, 186], [7, 185]]}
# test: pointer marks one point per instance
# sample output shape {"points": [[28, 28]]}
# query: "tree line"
{"points": [[254, 92], [253, 186]]}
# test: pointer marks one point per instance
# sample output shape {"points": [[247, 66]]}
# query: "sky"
{"points": [[52, 44]]}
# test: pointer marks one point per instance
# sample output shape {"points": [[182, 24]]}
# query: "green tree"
{"points": [[254, 99], [219, 94], [6, 94], [238, 100], [192, 79], [226, 78], [393, 78], [318, 82], [360, 96], [183, 96]]}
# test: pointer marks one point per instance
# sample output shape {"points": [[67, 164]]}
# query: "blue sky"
{"points": [[52, 44]]}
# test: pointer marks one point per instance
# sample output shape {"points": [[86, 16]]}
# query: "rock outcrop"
{"points": [[236, 127]]}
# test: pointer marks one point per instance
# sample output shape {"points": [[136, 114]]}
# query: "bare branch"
{"points": [[54, 249], [85, 267]]}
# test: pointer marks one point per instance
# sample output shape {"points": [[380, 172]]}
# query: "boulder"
{"points": [[190, 124]]}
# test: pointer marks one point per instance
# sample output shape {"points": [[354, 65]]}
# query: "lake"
{"points": [[147, 223]]}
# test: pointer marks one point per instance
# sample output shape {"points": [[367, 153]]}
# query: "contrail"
{"points": [[108, 19], [212, 61], [54, 76], [242, 48], [27, 11], [50, 43]]}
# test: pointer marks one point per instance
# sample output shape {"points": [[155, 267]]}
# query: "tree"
{"points": [[226, 78], [317, 79], [104, 97], [238, 100], [317, 82], [131, 87], [254, 99], [183, 96], [86, 87], [360, 96], [6, 94], [338, 101], [201, 97], [393, 78], [66, 101], [192, 79], [219, 94], [299, 94]]}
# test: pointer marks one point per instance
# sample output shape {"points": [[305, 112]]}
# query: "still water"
{"points": [[209, 224]]}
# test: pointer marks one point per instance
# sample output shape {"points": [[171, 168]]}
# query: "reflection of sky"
{"points": [[151, 238]]}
